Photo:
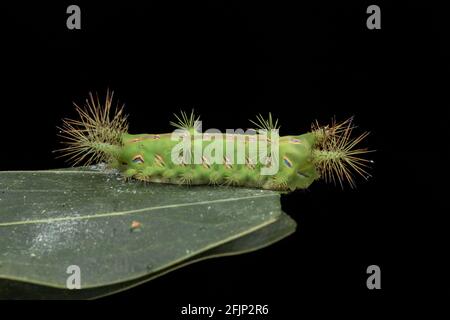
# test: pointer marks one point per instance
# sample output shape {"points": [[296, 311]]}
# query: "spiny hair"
{"points": [[266, 124], [336, 155], [185, 121], [331, 130], [97, 133]]}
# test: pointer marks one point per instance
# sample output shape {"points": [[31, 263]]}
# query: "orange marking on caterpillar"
{"points": [[249, 163], [227, 162], [205, 162], [159, 161]]}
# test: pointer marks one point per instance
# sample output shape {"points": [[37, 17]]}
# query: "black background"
{"points": [[231, 60]]}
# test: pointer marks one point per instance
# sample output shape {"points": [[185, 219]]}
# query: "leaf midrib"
{"points": [[122, 213]]}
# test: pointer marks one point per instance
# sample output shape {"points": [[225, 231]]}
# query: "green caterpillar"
{"points": [[327, 152]]}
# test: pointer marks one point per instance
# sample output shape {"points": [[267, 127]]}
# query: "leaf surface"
{"points": [[120, 233]]}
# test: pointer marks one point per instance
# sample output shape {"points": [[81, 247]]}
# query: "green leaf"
{"points": [[120, 233]]}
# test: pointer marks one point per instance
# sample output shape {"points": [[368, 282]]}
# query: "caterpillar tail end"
{"points": [[337, 155], [96, 135]]}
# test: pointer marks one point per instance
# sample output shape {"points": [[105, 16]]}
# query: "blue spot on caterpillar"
{"points": [[287, 161]]}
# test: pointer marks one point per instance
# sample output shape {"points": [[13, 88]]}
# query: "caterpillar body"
{"points": [[101, 134]]}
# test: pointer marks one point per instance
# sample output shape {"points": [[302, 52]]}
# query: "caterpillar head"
{"points": [[336, 154]]}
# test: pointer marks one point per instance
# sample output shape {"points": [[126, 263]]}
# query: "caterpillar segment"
{"points": [[328, 152]]}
